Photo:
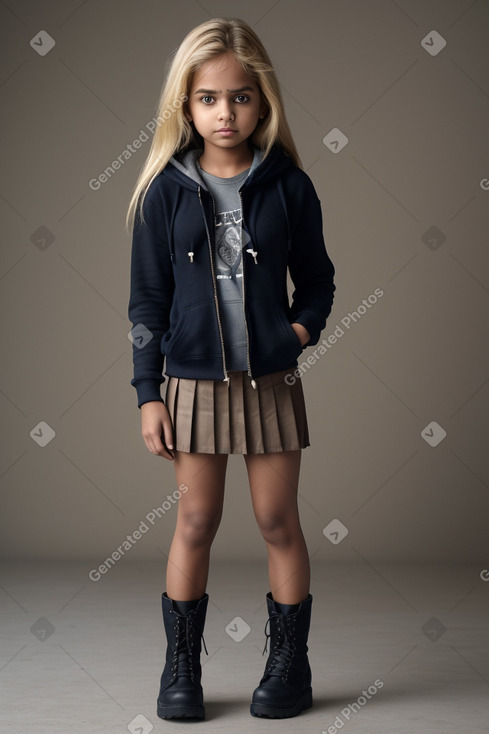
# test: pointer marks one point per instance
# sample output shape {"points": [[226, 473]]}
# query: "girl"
{"points": [[221, 209]]}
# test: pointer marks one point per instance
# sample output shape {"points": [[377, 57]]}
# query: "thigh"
{"points": [[274, 481], [201, 479]]}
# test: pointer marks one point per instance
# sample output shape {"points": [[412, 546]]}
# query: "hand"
{"points": [[155, 420], [302, 333]]}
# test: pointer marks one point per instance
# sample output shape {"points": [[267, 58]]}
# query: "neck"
{"points": [[226, 162]]}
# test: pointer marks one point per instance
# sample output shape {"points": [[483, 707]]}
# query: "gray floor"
{"points": [[85, 656]]}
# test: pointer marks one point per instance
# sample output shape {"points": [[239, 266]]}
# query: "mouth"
{"points": [[226, 130]]}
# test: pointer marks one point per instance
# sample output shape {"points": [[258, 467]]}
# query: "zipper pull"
{"points": [[254, 253], [191, 256]]}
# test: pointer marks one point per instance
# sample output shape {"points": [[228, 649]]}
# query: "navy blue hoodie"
{"points": [[173, 302]]}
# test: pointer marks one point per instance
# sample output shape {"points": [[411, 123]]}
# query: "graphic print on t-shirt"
{"points": [[228, 243]]}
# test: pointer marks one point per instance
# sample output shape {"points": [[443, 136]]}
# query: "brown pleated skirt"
{"points": [[211, 417]]}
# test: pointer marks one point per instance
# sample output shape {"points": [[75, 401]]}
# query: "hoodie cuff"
{"points": [[148, 390]]}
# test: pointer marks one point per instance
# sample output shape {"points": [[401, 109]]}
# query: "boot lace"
{"points": [[183, 657], [282, 647]]}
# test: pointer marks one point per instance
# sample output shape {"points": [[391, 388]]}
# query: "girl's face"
{"points": [[223, 95]]}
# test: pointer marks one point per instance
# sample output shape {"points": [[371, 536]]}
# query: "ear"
{"points": [[186, 112]]}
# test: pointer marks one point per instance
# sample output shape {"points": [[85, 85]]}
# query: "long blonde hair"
{"points": [[174, 132]]}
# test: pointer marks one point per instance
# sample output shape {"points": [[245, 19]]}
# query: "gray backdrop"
{"points": [[398, 403]]}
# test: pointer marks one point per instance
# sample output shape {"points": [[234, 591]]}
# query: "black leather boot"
{"points": [[285, 688], [181, 693]]}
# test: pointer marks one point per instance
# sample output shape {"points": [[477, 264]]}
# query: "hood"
{"points": [[188, 165], [182, 167]]}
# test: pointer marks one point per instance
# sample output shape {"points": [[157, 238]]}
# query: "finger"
{"points": [[150, 446], [161, 449], [168, 434], [167, 454], [167, 451]]}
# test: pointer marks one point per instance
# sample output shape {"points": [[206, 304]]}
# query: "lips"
{"points": [[226, 130]]}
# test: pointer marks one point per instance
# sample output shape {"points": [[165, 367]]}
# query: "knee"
{"points": [[198, 528], [277, 529]]}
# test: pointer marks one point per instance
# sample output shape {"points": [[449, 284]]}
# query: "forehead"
{"points": [[222, 72]]}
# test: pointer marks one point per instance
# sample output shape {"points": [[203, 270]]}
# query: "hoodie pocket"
{"points": [[196, 334], [272, 336]]}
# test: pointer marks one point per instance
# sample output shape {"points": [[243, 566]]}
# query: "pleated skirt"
{"points": [[211, 417]]}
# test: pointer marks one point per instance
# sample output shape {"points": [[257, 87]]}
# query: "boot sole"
{"points": [[280, 712], [181, 712]]}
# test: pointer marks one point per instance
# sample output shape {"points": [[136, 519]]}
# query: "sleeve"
{"points": [[310, 267], [151, 295]]}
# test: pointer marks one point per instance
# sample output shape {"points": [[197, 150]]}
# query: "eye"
{"points": [[245, 96], [206, 96]]}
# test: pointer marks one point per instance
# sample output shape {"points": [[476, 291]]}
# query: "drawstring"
{"points": [[280, 189], [253, 252]]}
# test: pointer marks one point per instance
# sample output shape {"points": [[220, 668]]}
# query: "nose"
{"points": [[225, 110]]}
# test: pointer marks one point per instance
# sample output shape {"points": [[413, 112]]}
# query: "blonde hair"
{"points": [[208, 40]]}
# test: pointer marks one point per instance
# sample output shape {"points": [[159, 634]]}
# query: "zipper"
{"points": [[226, 376], [253, 383]]}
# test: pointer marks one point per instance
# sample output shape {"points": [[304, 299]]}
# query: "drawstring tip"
{"points": [[191, 256], [226, 379], [253, 253], [253, 384]]}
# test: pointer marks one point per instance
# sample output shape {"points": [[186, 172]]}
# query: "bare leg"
{"points": [[199, 515], [274, 480]]}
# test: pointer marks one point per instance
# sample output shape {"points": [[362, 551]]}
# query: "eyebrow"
{"points": [[219, 91]]}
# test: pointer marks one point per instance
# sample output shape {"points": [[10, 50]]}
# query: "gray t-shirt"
{"points": [[228, 263]]}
